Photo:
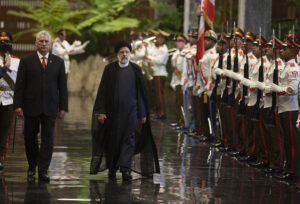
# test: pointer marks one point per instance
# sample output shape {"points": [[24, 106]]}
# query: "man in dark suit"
{"points": [[40, 95]]}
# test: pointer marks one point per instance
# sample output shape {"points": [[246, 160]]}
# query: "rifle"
{"points": [[220, 65], [231, 99], [242, 106], [255, 115], [271, 122]]}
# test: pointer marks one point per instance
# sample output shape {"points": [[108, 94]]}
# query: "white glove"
{"points": [[252, 84], [260, 85], [227, 73], [76, 43], [268, 89], [247, 82], [276, 88], [218, 71], [236, 76], [298, 120]]}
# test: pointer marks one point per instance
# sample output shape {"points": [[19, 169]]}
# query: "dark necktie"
{"points": [[44, 62]]}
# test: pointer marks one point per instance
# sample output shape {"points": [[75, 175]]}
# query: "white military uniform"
{"points": [[269, 79], [222, 83], [139, 52], [189, 73], [252, 61], [63, 49], [178, 62], [158, 56], [254, 78], [289, 77], [206, 70], [6, 94], [231, 72]]}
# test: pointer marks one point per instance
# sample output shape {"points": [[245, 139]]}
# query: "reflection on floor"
{"points": [[192, 172]]}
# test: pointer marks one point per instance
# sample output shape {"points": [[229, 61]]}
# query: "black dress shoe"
{"points": [[44, 178], [126, 175], [112, 174], [95, 164], [1, 166], [259, 165], [248, 159], [30, 173], [287, 177], [218, 144], [273, 171], [233, 153], [240, 154], [174, 125]]}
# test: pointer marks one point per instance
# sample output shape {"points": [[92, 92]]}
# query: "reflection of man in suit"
{"points": [[37, 193], [40, 94]]}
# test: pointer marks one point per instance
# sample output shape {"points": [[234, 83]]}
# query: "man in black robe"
{"points": [[120, 108]]}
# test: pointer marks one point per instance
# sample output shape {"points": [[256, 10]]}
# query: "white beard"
{"points": [[124, 63]]}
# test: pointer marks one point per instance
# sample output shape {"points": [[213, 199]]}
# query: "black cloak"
{"points": [[145, 159]]}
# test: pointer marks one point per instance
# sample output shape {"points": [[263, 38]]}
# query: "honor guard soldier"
{"points": [[138, 48], [8, 73], [158, 56], [63, 49], [256, 147], [219, 66], [191, 112], [245, 67], [270, 115], [287, 90], [178, 63], [205, 83], [233, 92], [261, 149]]}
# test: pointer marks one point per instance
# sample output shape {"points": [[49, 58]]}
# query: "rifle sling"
{"points": [[9, 80]]}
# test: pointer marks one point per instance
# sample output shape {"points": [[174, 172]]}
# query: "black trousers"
{"points": [[6, 114], [291, 137], [39, 156], [178, 104]]}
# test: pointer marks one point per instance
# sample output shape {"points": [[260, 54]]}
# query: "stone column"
{"points": [[253, 14], [190, 18]]}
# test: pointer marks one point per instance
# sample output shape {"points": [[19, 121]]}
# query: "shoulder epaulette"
{"points": [[12, 56]]}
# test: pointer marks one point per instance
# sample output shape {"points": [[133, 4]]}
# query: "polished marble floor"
{"points": [[191, 172]]}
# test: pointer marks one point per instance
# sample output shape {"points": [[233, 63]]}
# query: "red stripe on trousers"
{"points": [[279, 138], [292, 142], [263, 140], [233, 126], [160, 97]]}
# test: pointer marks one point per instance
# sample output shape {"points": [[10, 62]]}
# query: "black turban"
{"points": [[122, 43]]}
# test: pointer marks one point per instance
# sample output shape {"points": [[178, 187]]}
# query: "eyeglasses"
{"points": [[43, 41]]}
